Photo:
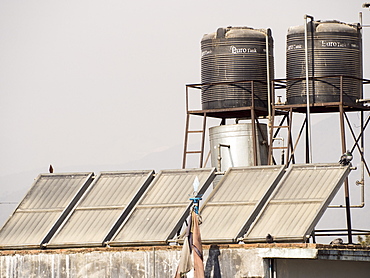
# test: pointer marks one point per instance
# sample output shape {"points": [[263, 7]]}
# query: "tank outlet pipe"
{"points": [[308, 117], [219, 157]]}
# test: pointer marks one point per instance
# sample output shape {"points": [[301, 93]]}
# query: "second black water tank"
{"points": [[235, 54], [334, 49]]}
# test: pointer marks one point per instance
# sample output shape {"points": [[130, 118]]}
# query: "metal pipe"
{"points": [[254, 139], [308, 119], [219, 157], [346, 186], [268, 77], [361, 183], [272, 268]]}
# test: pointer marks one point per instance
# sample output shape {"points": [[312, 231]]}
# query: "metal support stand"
{"points": [[249, 112], [341, 107]]}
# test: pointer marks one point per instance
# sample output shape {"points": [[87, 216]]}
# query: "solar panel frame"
{"points": [[45, 206], [236, 200], [163, 208], [299, 214], [99, 212]]}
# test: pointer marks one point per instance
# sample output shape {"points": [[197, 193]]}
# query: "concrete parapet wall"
{"points": [[219, 261]]}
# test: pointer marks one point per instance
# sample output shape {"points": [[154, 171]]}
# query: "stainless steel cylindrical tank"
{"points": [[240, 139], [236, 54], [334, 49]]}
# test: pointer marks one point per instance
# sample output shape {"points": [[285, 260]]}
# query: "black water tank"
{"points": [[235, 54], [334, 49]]}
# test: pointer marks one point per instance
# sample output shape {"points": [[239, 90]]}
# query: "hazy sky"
{"points": [[103, 82]]}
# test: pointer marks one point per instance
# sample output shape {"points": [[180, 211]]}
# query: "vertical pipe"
{"points": [[268, 76], [270, 98], [272, 268], [362, 181], [346, 187], [254, 140], [308, 118], [271, 134], [219, 157]]}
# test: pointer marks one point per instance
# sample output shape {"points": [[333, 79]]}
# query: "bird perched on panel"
{"points": [[337, 241], [346, 158], [51, 169], [269, 238]]}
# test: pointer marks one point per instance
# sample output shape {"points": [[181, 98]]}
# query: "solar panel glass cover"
{"points": [[298, 202], [107, 201], [46, 204], [236, 200], [163, 207]]}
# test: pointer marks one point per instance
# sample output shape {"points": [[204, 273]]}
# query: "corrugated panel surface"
{"points": [[298, 202], [46, 204], [163, 208], [109, 198], [236, 200]]}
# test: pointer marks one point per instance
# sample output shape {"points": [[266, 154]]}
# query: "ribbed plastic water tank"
{"points": [[235, 54], [334, 49]]}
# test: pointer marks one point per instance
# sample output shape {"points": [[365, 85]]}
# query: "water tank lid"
{"points": [[237, 32], [336, 26], [326, 26]]}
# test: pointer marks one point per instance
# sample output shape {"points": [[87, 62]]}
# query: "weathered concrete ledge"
{"points": [[236, 260]]}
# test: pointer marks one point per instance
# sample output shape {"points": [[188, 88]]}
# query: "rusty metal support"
{"points": [[346, 187], [185, 141], [289, 135], [273, 135], [203, 139], [251, 111], [265, 140]]}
